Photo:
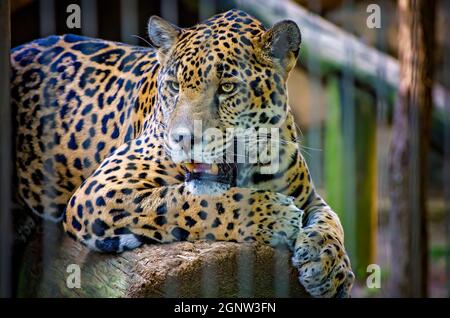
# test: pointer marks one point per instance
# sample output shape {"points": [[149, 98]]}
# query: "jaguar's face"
{"points": [[219, 79]]}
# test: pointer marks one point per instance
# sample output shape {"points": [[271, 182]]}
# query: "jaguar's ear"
{"points": [[281, 44], [163, 34]]}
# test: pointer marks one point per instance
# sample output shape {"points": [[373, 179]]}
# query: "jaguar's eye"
{"points": [[174, 86], [227, 88]]}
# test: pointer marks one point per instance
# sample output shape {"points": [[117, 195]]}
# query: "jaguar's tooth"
{"points": [[214, 169], [203, 168]]}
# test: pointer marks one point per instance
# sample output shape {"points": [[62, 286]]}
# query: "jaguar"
{"points": [[106, 131]]}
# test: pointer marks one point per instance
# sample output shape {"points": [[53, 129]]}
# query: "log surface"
{"points": [[184, 269]]}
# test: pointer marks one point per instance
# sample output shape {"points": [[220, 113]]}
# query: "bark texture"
{"points": [[213, 269], [409, 149]]}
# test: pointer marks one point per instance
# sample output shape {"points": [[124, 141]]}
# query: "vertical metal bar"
{"points": [[169, 10], [89, 25], [381, 126], [129, 28], [348, 125], [207, 8], [314, 136], [446, 172], [281, 277], [446, 178], [209, 273], [210, 287], [47, 17], [245, 272], [245, 259], [6, 154], [171, 287], [49, 230]]}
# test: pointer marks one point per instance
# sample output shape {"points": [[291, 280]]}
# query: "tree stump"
{"points": [[184, 269]]}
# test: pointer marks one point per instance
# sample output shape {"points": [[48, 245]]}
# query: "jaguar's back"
{"points": [[76, 102]]}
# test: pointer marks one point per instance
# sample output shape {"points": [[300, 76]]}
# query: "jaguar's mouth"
{"points": [[221, 172]]}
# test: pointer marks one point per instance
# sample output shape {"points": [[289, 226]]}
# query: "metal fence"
{"points": [[359, 81], [6, 156]]}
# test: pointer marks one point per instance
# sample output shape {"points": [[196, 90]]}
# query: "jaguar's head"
{"points": [[219, 79]]}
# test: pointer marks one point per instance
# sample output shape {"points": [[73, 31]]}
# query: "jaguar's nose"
{"points": [[182, 138], [182, 142]]}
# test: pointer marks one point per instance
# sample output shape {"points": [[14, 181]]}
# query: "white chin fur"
{"points": [[206, 187]]}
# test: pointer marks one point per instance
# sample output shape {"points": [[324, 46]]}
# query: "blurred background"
{"points": [[343, 92]]}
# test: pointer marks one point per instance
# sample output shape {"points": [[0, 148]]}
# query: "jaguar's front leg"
{"points": [[113, 221], [129, 201], [319, 253]]}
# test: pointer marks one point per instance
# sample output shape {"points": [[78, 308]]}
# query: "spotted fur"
{"points": [[94, 122]]}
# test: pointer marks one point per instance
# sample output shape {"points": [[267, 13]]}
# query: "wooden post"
{"points": [[409, 149], [6, 154]]}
